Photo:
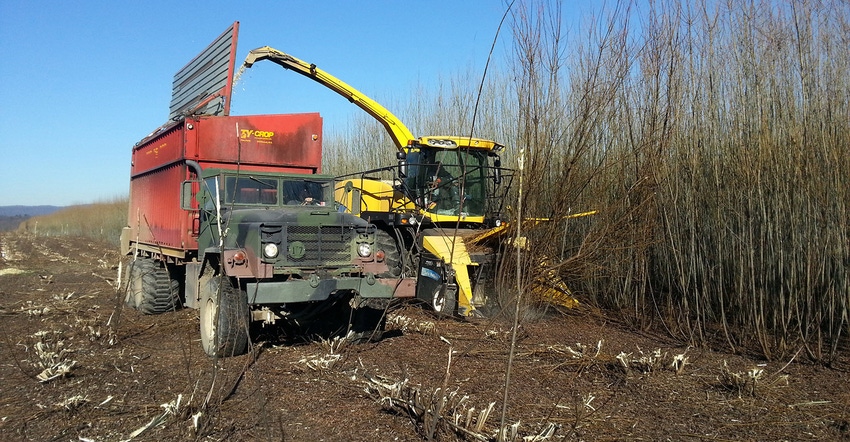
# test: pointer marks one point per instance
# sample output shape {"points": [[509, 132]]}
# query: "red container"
{"points": [[273, 143]]}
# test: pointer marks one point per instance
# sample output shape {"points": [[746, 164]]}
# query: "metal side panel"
{"points": [[203, 86], [155, 214], [291, 141]]}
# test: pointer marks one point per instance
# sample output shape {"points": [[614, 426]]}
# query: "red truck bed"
{"points": [[279, 143]]}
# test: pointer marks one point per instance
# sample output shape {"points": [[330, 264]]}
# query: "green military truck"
{"points": [[232, 216]]}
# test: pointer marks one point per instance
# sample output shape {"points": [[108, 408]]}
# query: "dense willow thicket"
{"points": [[709, 135]]}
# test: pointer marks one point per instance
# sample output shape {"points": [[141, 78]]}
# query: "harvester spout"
{"points": [[399, 133]]}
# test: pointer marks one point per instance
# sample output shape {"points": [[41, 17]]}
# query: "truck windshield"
{"points": [[250, 190], [270, 191], [436, 175], [298, 192]]}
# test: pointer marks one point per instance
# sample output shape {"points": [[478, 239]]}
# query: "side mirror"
{"points": [[402, 164], [497, 171]]}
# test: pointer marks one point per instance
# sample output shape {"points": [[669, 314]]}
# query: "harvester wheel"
{"points": [[224, 317], [152, 290], [392, 256], [444, 301]]}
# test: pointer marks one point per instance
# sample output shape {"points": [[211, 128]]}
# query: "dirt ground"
{"points": [[75, 365]]}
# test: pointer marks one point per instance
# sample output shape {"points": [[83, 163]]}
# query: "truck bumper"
{"points": [[278, 292]]}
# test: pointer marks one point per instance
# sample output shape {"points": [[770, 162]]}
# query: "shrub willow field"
{"points": [[710, 136]]}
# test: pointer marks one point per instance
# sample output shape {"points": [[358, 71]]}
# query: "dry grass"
{"points": [[100, 220]]}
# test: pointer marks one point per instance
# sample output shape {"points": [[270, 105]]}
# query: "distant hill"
{"points": [[27, 211], [12, 216]]}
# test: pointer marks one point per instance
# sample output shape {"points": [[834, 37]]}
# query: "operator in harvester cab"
{"points": [[444, 192]]}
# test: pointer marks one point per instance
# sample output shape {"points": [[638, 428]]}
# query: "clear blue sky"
{"points": [[81, 82]]}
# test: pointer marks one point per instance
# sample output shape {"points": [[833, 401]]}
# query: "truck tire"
{"points": [[224, 317], [152, 290], [136, 269], [392, 256], [368, 321]]}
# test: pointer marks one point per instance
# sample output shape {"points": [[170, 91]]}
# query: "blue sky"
{"points": [[81, 82]]}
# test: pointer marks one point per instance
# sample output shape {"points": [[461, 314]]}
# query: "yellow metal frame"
{"points": [[453, 251]]}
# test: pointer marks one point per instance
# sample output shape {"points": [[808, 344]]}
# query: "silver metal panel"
{"points": [[202, 87]]}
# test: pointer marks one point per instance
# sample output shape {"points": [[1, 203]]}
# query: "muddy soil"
{"points": [[77, 365]]}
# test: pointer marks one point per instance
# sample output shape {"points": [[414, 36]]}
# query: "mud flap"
{"points": [[193, 272]]}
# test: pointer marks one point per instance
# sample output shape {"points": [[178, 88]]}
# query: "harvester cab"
{"points": [[454, 179]]}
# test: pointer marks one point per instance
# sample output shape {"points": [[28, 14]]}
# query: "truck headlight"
{"points": [[364, 249], [270, 250]]}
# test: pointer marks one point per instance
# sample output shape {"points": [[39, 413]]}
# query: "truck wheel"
{"points": [[152, 290], [392, 255], [368, 321], [224, 318], [136, 269]]}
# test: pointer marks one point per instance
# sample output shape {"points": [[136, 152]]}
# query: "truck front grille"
{"points": [[321, 245]]}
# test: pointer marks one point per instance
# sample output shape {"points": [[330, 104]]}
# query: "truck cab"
{"points": [[274, 247], [283, 228]]}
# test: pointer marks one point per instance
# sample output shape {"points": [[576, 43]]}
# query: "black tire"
{"points": [[392, 255], [444, 299], [151, 289], [369, 320], [135, 271], [224, 317]]}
